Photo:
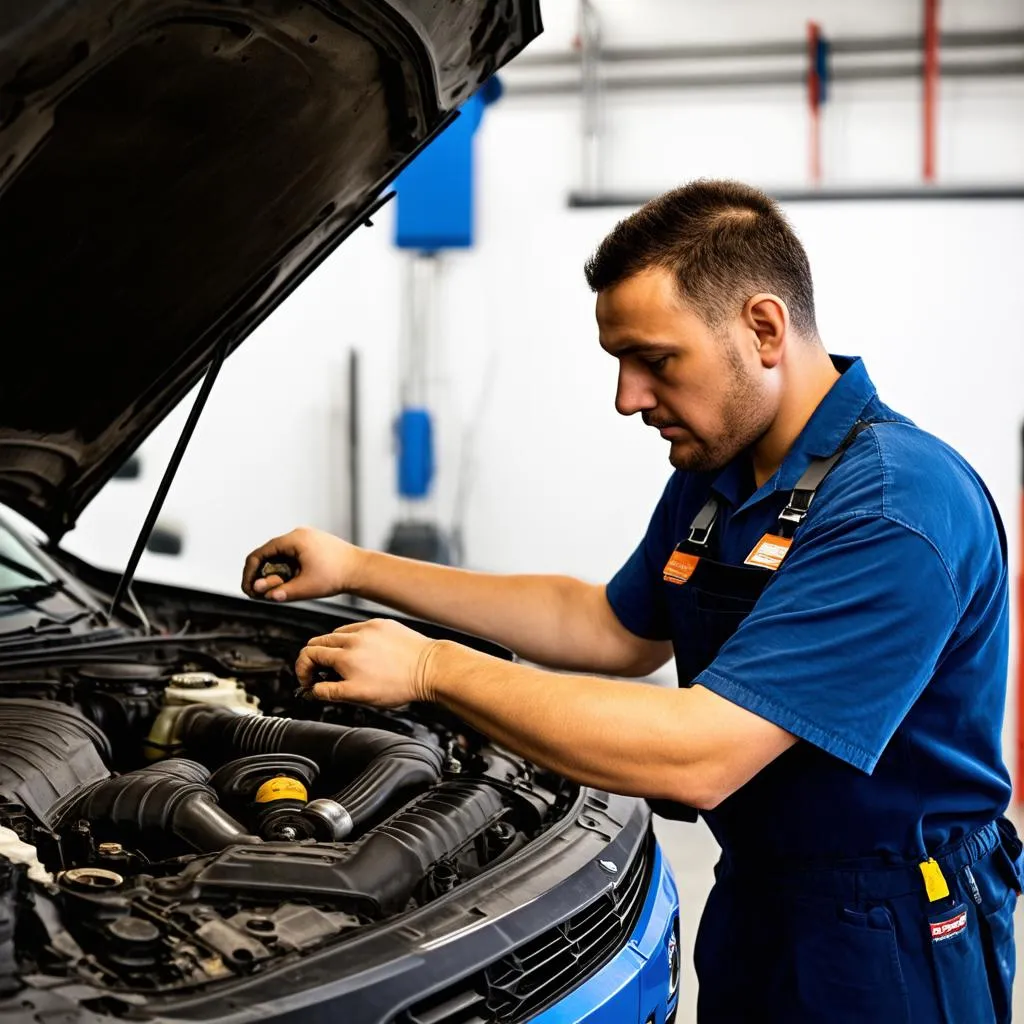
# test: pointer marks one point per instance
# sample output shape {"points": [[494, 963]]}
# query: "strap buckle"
{"points": [[792, 515], [704, 521], [795, 512], [699, 535]]}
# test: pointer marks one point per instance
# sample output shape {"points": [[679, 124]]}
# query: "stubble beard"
{"points": [[746, 416]]}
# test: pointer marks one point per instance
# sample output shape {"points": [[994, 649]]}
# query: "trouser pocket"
{"points": [[849, 970], [958, 956], [1000, 956], [991, 887]]}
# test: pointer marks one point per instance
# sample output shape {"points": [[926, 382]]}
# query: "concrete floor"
{"points": [[692, 853]]}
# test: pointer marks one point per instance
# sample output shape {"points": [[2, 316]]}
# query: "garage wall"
{"points": [[928, 292]]}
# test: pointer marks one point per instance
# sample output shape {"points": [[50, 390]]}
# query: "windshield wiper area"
{"points": [[21, 569], [31, 592], [49, 627]]}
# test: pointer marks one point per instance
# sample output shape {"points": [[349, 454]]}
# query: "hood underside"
{"points": [[169, 172]]}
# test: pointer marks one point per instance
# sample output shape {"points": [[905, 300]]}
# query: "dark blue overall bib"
{"points": [[789, 938]]}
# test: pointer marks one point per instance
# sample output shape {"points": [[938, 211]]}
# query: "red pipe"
{"points": [[814, 99], [931, 83]]}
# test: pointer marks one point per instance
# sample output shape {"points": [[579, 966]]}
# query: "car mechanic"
{"points": [[832, 583]]}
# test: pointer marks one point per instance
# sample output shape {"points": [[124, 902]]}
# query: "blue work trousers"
{"points": [[840, 946]]}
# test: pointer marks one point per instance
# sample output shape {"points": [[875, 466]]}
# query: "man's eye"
{"points": [[657, 364]]}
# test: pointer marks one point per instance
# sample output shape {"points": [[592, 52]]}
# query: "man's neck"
{"points": [[809, 379]]}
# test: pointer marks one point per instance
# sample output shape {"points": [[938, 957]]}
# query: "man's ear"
{"points": [[766, 316]]}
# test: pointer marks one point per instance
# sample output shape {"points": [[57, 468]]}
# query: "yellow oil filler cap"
{"points": [[281, 788]]}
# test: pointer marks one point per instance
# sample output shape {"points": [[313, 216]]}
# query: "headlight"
{"points": [[674, 960]]}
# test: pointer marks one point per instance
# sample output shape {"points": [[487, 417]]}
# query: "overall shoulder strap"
{"points": [[802, 495]]}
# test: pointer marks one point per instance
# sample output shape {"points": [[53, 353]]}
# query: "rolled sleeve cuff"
{"points": [[772, 711], [636, 616]]}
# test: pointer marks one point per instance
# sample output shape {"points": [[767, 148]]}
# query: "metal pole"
{"points": [[931, 83], [354, 493], [420, 341], [420, 311], [591, 175], [814, 100]]}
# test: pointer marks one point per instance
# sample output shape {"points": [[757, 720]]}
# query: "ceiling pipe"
{"points": [[796, 76], [866, 193], [1013, 36]]}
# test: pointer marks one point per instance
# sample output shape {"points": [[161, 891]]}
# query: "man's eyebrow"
{"points": [[634, 345]]}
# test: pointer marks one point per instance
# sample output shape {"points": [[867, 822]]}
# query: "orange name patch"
{"points": [[769, 552], [679, 567]]}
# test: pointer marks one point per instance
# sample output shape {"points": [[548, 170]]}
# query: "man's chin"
{"points": [[692, 459]]}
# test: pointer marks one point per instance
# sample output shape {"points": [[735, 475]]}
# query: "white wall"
{"points": [[928, 292]]}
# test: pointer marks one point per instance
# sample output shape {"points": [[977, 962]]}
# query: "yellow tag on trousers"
{"points": [[934, 883]]}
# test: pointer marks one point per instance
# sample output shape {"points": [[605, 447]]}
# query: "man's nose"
{"points": [[632, 395]]}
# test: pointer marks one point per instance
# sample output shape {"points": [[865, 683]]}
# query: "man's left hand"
{"points": [[380, 662]]}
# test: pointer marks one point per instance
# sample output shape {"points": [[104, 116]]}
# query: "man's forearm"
{"points": [[690, 745], [546, 619], [623, 737]]}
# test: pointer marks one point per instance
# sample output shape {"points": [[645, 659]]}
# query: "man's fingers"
{"points": [[262, 584], [330, 640], [249, 571], [334, 690], [313, 657], [325, 651], [276, 549]]}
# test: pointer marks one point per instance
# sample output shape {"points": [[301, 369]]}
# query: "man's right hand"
{"points": [[327, 566], [556, 621]]}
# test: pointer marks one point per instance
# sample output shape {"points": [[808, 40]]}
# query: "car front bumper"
{"points": [[641, 983]]}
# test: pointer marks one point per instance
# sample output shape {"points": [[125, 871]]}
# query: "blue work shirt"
{"points": [[881, 641]]}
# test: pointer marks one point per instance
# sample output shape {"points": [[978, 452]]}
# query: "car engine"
{"points": [[182, 815]]}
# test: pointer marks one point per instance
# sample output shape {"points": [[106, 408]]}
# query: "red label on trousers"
{"points": [[942, 930]]}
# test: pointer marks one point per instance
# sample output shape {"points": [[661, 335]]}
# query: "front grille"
{"points": [[537, 973]]}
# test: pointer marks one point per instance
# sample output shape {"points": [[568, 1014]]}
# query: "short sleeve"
{"points": [[844, 638], [636, 592]]}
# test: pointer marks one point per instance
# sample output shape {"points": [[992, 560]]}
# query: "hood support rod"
{"points": [[124, 584], [219, 355]]}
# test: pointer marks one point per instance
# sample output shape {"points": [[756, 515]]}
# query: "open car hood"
{"points": [[169, 171]]}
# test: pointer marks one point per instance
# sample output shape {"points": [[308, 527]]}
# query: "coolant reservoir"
{"points": [[185, 689], [12, 847]]}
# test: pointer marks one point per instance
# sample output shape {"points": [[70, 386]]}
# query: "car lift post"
{"points": [[435, 214]]}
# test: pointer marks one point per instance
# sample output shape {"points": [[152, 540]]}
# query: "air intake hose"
{"points": [[169, 796], [376, 874], [393, 858], [387, 766]]}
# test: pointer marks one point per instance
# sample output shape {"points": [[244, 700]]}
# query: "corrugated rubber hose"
{"points": [[386, 766]]}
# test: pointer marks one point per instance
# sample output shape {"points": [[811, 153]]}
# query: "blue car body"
{"points": [[641, 983]]}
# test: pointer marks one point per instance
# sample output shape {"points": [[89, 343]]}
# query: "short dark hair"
{"points": [[723, 240]]}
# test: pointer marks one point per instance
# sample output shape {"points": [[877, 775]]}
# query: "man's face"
{"points": [[704, 390]]}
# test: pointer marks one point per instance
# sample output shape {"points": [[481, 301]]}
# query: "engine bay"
{"points": [[176, 814]]}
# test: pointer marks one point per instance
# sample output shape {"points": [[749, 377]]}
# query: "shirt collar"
{"points": [[822, 435]]}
